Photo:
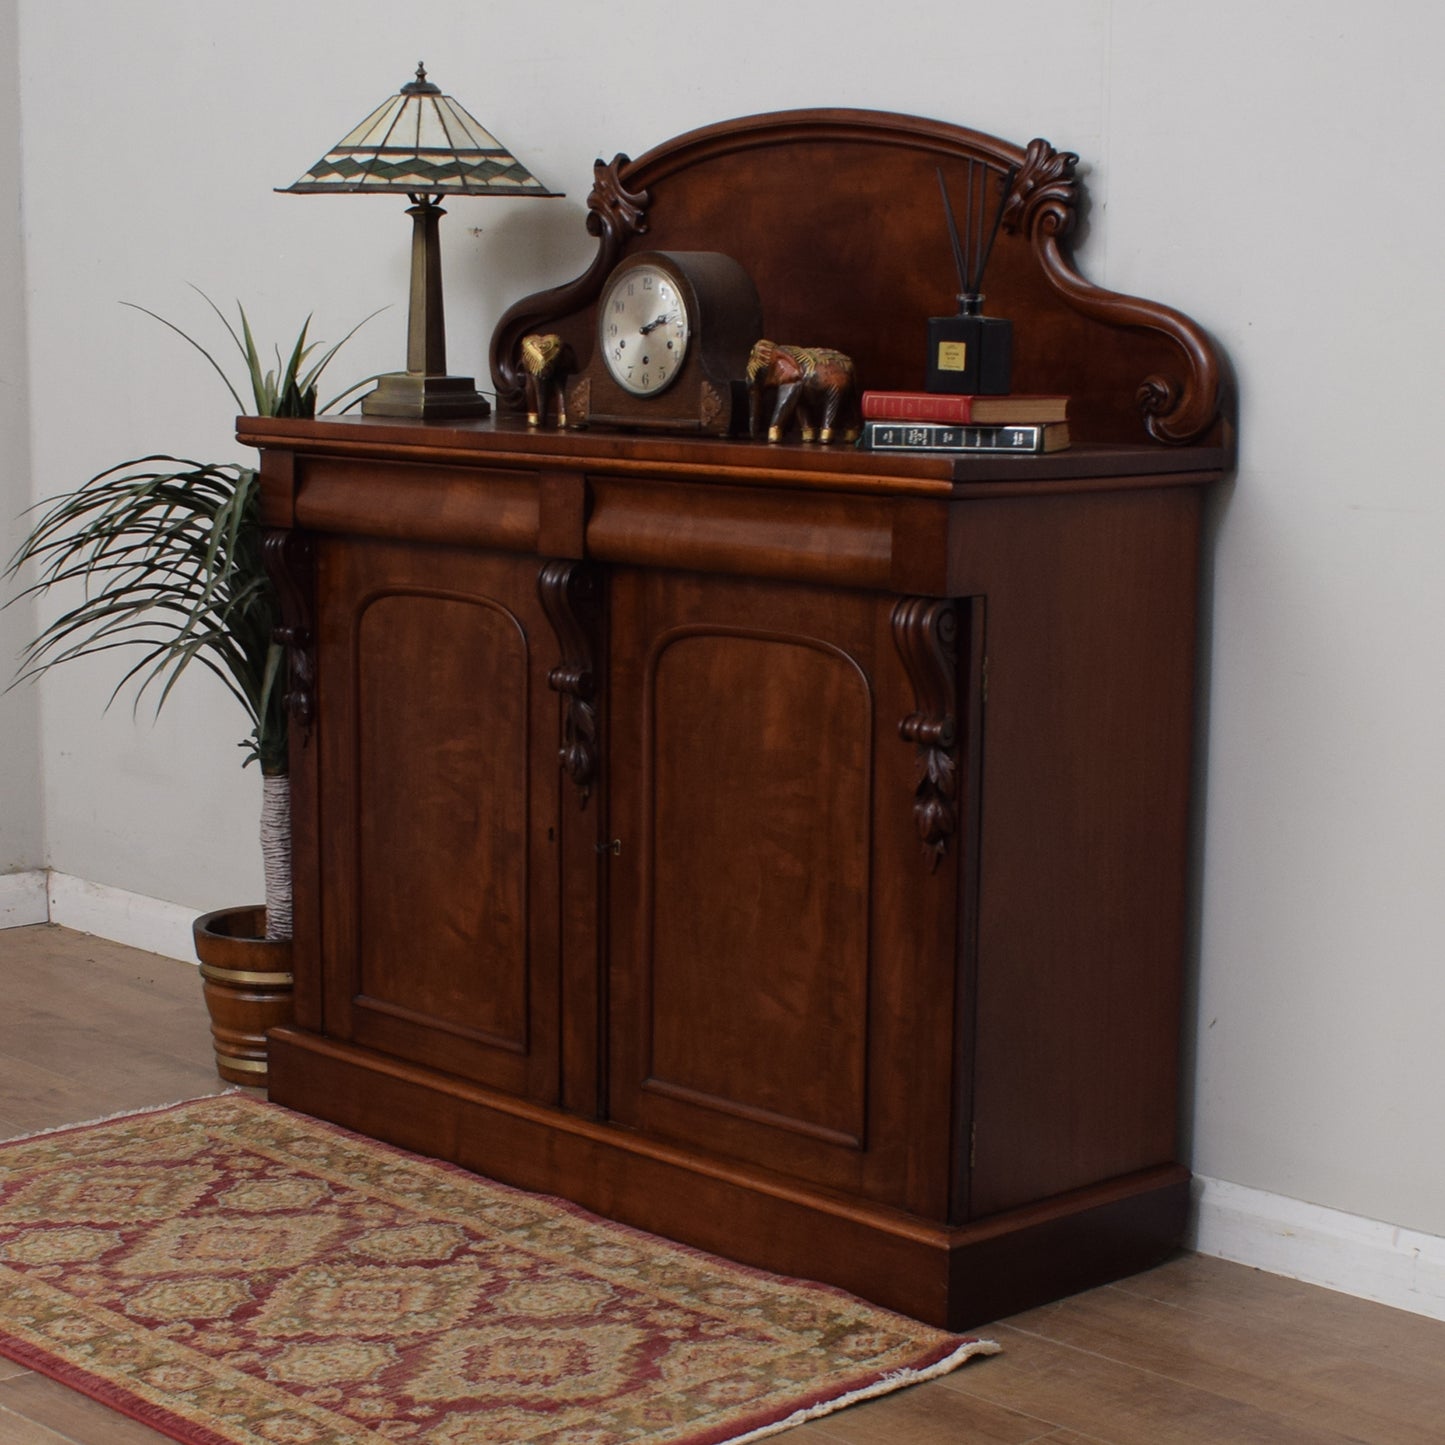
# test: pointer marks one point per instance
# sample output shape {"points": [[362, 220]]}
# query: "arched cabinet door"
{"points": [[781, 968], [437, 794]]}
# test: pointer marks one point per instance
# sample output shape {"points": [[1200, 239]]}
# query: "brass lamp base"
{"points": [[425, 398]]}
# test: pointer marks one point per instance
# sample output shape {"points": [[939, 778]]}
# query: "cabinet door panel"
{"points": [[443, 780], [437, 777], [780, 962], [758, 879]]}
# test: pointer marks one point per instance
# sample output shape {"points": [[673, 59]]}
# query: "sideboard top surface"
{"points": [[503, 442]]}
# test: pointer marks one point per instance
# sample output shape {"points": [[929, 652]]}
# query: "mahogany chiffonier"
{"points": [[780, 847]]}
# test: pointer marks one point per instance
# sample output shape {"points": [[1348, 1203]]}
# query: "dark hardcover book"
{"points": [[881, 436], [1012, 409]]}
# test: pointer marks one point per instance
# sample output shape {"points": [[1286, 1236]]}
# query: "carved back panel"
{"points": [[837, 216]]}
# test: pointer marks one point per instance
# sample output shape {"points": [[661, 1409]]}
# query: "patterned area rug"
{"points": [[232, 1273]]}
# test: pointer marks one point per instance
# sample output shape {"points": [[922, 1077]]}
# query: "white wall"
{"points": [[21, 833], [1322, 993], [1261, 166]]}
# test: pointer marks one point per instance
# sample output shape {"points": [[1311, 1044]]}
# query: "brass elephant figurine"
{"points": [[814, 381], [547, 362]]}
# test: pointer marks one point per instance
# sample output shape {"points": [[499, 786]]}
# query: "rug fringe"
{"points": [[894, 1380], [119, 1114]]}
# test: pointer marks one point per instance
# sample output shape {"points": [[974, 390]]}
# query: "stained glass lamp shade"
{"points": [[422, 144]]}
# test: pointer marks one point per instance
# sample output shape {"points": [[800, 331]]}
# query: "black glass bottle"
{"points": [[970, 354]]}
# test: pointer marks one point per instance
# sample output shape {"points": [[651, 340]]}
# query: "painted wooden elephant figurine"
{"points": [[814, 381], [547, 362]]}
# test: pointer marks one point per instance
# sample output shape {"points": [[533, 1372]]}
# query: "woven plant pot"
{"points": [[247, 982]]}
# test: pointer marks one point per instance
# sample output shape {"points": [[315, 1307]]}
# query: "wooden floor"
{"points": [[1196, 1351]]}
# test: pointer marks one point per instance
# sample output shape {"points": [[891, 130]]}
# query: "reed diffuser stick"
{"points": [[1008, 185], [971, 252], [958, 258]]}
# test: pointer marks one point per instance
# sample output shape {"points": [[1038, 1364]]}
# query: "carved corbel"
{"points": [[569, 595], [925, 632], [288, 559]]}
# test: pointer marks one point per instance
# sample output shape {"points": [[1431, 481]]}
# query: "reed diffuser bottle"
{"points": [[970, 353]]}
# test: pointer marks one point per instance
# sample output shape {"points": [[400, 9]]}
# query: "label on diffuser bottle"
{"points": [[953, 356]]}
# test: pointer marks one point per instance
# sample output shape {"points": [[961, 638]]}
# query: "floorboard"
{"points": [[1196, 1352]]}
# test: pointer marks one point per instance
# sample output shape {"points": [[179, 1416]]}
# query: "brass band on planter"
{"points": [[250, 1066], [236, 975]]}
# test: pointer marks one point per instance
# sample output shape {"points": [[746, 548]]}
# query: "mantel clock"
{"points": [[673, 331]]}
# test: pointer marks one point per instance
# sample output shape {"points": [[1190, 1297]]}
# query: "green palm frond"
{"points": [[168, 553], [168, 556], [288, 390]]}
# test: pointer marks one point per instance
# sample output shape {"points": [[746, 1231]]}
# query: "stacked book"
{"points": [[925, 421]]}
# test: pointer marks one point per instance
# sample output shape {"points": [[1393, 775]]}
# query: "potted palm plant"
{"points": [[168, 554]]}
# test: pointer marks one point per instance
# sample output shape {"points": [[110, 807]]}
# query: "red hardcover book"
{"points": [[1011, 409]]}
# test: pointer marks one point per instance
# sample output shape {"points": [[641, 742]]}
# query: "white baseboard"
{"points": [[22, 899], [1363, 1257], [129, 918]]}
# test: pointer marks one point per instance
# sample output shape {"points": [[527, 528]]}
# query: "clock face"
{"points": [[643, 329]]}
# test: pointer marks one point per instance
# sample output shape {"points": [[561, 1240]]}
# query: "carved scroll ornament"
{"points": [[569, 595], [614, 216], [925, 632], [288, 559], [1043, 206]]}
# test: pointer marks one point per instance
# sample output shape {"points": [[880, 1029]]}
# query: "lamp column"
{"points": [[426, 342], [424, 390]]}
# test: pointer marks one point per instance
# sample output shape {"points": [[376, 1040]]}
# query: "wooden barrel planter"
{"points": [[247, 982]]}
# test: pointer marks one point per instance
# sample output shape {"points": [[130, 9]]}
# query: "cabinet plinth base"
{"points": [[954, 1277]]}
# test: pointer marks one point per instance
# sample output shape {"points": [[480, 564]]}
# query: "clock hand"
{"points": [[653, 325]]}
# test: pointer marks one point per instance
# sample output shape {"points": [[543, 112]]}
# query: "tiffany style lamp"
{"points": [[422, 144]]}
